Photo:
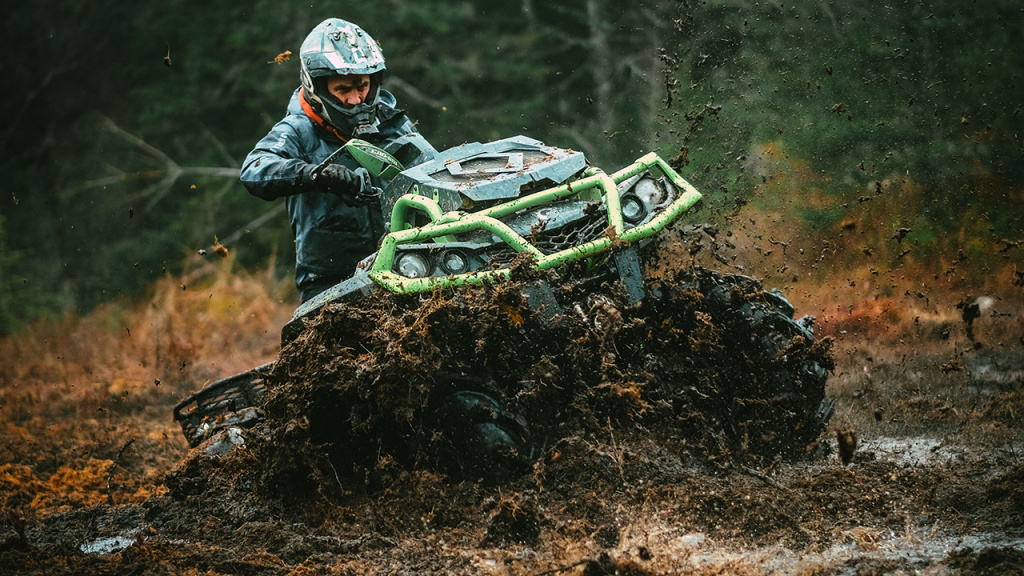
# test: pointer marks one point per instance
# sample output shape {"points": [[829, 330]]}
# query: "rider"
{"points": [[335, 215]]}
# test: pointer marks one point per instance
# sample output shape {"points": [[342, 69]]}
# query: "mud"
{"points": [[370, 383], [659, 442]]}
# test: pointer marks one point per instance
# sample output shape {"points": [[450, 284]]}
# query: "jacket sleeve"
{"points": [[277, 167]]}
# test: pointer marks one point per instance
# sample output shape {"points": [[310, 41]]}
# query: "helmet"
{"points": [[339, 47]]}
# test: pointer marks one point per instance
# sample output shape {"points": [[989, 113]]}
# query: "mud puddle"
{"points": [[869, 553], [108, 544], [914, 451]]}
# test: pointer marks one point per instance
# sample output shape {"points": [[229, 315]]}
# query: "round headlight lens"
{"points": [[633, 209], [650, 192], [413, 265], [454, 262]]}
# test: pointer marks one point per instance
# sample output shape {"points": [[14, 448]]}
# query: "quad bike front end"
{"points": [[463, 217], [576, 220]]}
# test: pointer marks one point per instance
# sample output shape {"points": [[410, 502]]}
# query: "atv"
{"points": [[480, 212]]}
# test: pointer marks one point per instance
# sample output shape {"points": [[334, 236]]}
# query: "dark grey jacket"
{"points": [[330, 236]]}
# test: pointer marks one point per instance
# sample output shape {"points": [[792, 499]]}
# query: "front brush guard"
{"points": [[443, 227]]}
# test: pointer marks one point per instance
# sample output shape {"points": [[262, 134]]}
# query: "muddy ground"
{"points": [[641, 460]]}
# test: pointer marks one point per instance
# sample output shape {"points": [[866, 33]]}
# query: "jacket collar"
{"points": [[318, 120]]}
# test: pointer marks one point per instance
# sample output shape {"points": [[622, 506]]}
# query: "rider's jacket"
{"points": [[331, 237]]}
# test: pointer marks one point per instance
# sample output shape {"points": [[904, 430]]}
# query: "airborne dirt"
{"points": [[660, 443]]}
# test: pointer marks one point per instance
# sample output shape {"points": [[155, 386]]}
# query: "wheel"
{"points": [[730, 367], [780, 406], [481, 438]]}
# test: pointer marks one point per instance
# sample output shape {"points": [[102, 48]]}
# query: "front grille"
{"points": [[572, 234], [548, 242]]}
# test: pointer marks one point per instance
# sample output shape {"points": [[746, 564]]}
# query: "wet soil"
{"points": [[660, 441]]}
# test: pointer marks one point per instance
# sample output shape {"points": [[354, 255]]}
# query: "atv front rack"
{"points": [[595, 184], [228, 402]]}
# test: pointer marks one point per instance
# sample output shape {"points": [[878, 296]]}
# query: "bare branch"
{"points": [[585, 143], [165, 176], [208, 171], [219, 146], [254, 224], [138, 142], [414, 93]]}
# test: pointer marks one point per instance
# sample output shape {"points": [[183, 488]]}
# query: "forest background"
{"points": [[874, 147]]}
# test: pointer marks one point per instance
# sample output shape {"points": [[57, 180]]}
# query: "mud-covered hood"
{"points": [[495, 171]]}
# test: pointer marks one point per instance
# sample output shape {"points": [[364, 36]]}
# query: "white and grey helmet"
{"points": [[339, 47]]}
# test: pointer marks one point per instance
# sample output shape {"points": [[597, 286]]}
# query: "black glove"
{"points": [[352, 186]]}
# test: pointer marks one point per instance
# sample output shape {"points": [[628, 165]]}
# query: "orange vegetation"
{"points": [[86, 401]]}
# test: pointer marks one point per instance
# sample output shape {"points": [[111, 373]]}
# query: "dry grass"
{"points": [[86, 401]]}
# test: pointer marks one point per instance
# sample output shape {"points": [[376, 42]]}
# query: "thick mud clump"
{"points": [[705, 364]]}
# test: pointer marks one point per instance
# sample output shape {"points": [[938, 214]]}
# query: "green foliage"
{"points": [[865, 94]]}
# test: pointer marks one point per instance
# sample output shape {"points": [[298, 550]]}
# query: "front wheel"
{"points": [[769, 397]]}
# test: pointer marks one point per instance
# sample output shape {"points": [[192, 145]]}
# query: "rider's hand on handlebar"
{"points": [[352, 186], [368, 197]]}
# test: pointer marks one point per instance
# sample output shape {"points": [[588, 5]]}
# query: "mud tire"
{"points": [[482, 383], [770, 400], [482, 438]]}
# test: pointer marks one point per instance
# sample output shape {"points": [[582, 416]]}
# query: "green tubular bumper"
{"points": [[594, 184]]}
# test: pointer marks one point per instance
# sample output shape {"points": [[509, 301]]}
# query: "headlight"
{"points": [[633, 209], [454, 262], [650, 192], [413, 265]]}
